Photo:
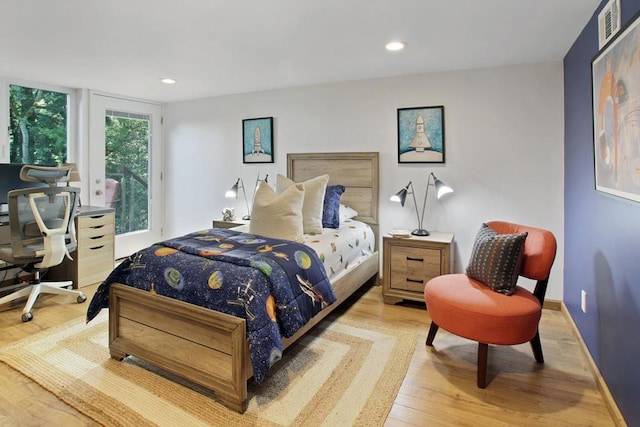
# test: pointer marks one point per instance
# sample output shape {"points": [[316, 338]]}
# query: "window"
{"points": [[38, 125]]}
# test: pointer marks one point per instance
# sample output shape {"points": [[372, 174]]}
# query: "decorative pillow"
{"points": [[278, 215], [496, 259], [346, 213], [331, 207], [314, 189]]}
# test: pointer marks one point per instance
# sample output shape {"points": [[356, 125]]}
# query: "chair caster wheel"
{"points": [[27, 317], [81, 298]]}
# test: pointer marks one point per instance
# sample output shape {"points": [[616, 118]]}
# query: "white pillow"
{"points": [[314, 190], [347, 213], [278, 215]]}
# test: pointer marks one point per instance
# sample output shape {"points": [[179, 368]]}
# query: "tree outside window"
{"points": [[127, 161], [38, 121]]}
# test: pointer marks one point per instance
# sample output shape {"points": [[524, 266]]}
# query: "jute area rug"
{"points": [[343, 372]]}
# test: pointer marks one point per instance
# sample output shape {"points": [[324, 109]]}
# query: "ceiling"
{"points": [[217, 47]]}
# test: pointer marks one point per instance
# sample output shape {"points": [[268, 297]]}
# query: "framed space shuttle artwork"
{"points": [[257, 140], [421, 135]]}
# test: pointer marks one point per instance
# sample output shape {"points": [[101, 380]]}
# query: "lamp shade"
{"points": [[400, 196], [441, 188], [232, 193]]}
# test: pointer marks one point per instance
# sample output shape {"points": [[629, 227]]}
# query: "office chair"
{"points": [[42, 232]]}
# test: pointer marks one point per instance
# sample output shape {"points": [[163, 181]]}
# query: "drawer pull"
{"points": [[415, 259], [414, 280], [95, 227], [96, 216], [97, 237], [97, 248]]}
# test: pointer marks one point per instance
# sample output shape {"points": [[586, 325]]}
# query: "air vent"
{"points": [[608, 22]]}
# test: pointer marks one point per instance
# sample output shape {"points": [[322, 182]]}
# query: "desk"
{"points": [[94, 257]]}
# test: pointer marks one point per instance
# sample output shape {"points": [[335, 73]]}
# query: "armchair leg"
{"points": [[536, 346], [483, 350], [433, 329]]}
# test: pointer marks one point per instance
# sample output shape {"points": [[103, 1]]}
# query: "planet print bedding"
{"points": [[276, 285]]}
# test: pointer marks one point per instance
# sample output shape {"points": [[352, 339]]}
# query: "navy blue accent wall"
{"points": [[602, 237]]}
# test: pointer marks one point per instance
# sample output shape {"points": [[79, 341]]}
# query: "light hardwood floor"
{"points": [[439, 389]]}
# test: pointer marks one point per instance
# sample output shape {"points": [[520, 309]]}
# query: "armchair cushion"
{"points": [[496, 259], [468, 308]]}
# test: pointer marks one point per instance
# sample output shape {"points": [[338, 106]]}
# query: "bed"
{"points": [[210, 348]]}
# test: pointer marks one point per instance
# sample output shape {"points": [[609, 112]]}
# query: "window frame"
{"points": [[72, 115]]}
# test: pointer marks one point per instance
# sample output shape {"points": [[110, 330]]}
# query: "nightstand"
{"points": [[408, 264], [220, 223]]}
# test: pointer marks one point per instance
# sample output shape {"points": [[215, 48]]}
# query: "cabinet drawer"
{"points": [[96, 231], [412, 268], [94, 264], [95, 221], [89, 253], [89, 242]]}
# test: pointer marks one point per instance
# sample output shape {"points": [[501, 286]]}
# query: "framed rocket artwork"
{"points": [[257, 140], [421, 135]]}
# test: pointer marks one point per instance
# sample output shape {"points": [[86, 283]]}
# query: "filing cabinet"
{"points": [[93, 259]]}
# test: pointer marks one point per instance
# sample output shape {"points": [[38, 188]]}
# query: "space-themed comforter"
{"points": [[276, 285]]}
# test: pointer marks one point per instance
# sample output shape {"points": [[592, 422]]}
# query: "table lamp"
{"points": [[401, 196]]}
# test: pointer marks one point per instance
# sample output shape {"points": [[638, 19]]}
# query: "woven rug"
{"points": [[343, 372]]}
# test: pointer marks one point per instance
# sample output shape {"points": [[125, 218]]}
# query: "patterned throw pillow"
{"points": [[496, 259]]}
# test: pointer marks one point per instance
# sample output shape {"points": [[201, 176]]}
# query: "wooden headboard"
{"points": [[357, 171]]}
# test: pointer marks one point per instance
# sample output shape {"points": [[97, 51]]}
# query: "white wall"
{"points": [[503, 140]]}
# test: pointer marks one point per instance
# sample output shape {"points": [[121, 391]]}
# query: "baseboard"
{"points": [[609, 401], [552, 304]]}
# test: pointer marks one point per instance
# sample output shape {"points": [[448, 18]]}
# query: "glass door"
{"points": [[125, 168]]}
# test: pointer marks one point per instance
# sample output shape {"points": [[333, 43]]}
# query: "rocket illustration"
{"points": [[420, 140], [257, 142]]}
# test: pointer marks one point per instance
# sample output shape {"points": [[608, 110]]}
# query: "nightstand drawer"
{"points": [[415, 261]]}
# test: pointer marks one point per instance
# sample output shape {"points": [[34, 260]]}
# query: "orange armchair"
{"points": [[468, 308]]}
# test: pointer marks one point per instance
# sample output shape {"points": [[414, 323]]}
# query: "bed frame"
{"points": [[210, 348]]}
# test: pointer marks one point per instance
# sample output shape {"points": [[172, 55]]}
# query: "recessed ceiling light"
{"points": [[168, 81], [395, 45]]}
